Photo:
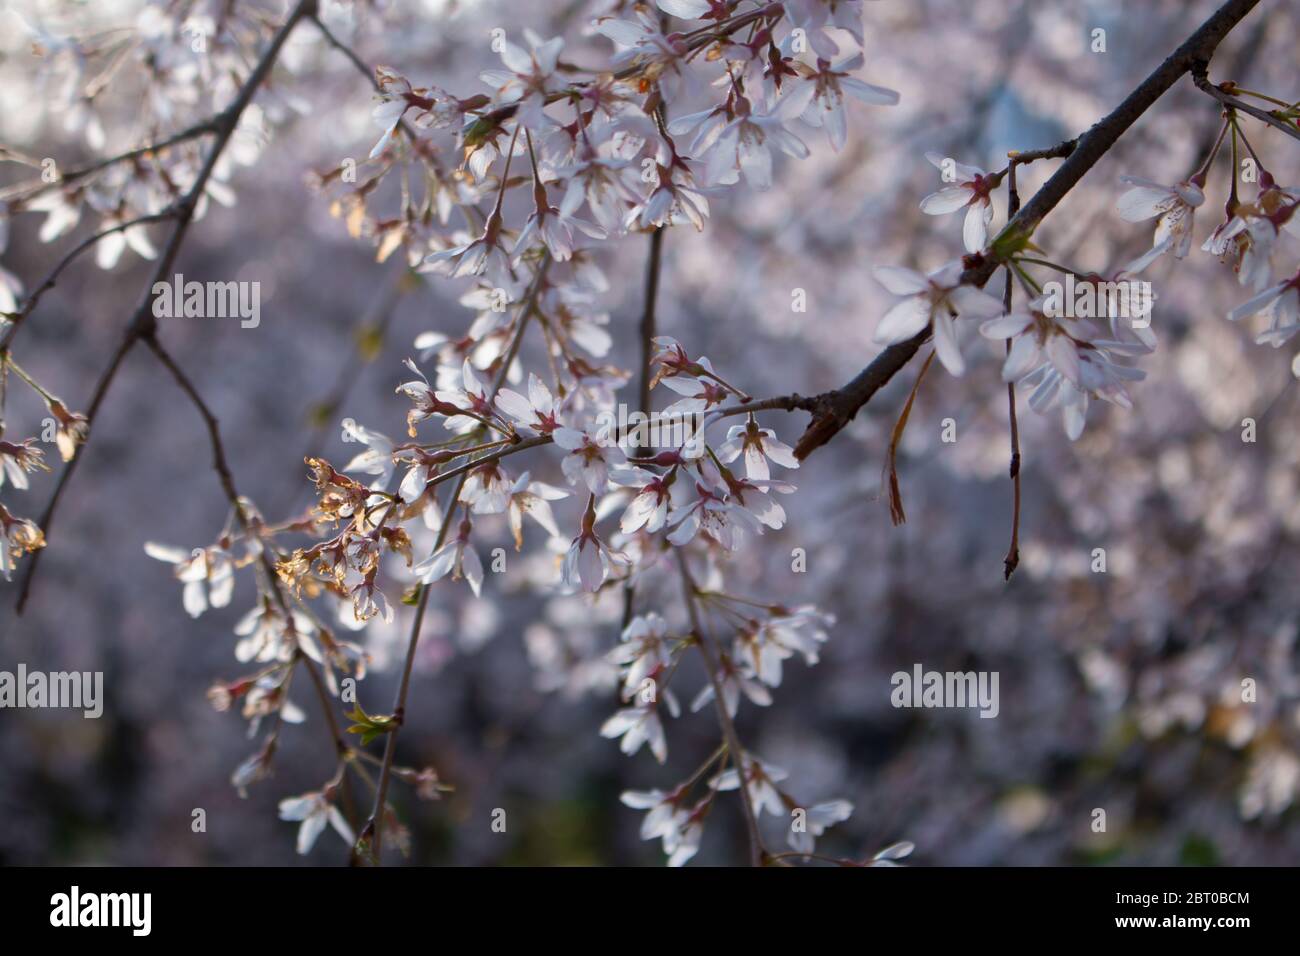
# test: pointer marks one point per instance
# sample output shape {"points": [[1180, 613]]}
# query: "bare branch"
{"points": [[1200, 75], [29, 304], [32, 188]]}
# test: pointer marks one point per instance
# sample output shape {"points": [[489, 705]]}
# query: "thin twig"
{"points": [[29, 304], [28, 190], [757, 852], [221, 465], [1200, 75], [1012, 560]]}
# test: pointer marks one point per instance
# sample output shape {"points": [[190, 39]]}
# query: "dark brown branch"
{"points": [[29, 304], [843, 404], [1012, 560], [647, 327], [28, 190], [1200, 75]]}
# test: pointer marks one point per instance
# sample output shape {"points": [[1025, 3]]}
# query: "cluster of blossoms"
{"points": [[64, 429], [605, 142], [542, 163], [178, 70], [1068, 357], [648, 657], [603, 159], [639, 505], [1246, 239]]}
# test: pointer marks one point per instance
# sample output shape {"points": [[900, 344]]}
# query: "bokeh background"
{"points": [[1118, 690]]}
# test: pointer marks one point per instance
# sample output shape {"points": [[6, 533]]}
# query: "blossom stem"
{"points": [[1262, 96], [1032, 287], [1232, 191], [30, 190], [1209, 160], [1249, 148], [7, 360], [728, 386], [373, 829], [758, 854], [1048, 264], [1200, 74], [505, 176], [29, 304]]}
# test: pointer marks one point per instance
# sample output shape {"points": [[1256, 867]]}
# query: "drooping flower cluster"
{"points": [[542, 162], [1246, 240], [534, 169]]}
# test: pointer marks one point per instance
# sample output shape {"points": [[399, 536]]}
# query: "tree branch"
{"points": [[29, 304], [29, 189], [841, 405], [1200, 76], [142, 322]]}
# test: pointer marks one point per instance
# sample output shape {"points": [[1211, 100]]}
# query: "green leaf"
{"points": [[369, 726]]}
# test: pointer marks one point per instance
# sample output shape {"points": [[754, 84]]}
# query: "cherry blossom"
{"points": [[936, 298], [1175, 206], [636, 726], [589, 560], [1281, 304], [534, 415], [208, 575], [1036, 339], [971, 189], [19, 460], [766, 644], [828, 84], [761, 781], [734, 681], [589, 461], [455, 557], [668, 819], [711, 512], [648, 508], [532, 498], [18, 536], [818, 818], [314, 810], [377, 459], [524, 81], [757, 445], [642, 652], [744, 144]]}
